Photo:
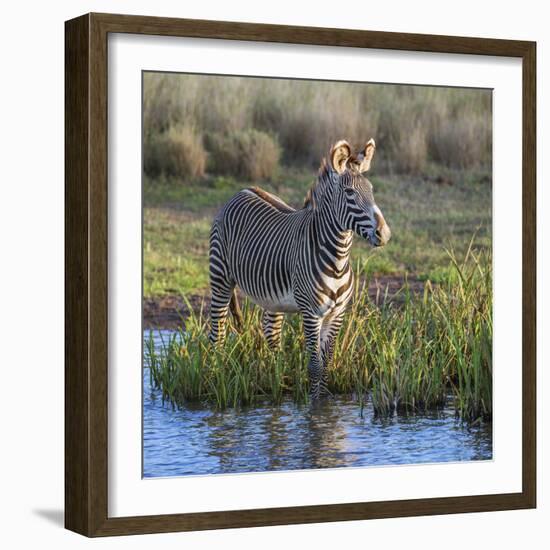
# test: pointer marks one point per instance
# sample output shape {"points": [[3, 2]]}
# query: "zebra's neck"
{"points": [[331, 242]]}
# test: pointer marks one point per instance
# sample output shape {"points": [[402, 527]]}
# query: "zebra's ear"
{"points": [[339, 155], [365, 156]]}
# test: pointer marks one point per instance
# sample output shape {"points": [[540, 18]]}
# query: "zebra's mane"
{"points": [[317, 191], [273, 200]]}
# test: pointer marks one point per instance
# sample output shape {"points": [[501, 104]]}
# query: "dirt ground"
{"points": [[169, 312]]}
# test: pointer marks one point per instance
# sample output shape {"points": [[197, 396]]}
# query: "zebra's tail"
{"points": [[236, 312]]}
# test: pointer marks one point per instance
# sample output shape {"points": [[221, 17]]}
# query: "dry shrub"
{"points": [[177, 152], [411, 124], [308, 133], [223, 105], [403, 130], [299, 137], [462, 143], [460, 129], [169, 101], [411, 147], [248, 154], [267, 112], [321, 114]]}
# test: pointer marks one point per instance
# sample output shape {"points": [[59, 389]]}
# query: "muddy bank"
{"points": [[169, 312]]}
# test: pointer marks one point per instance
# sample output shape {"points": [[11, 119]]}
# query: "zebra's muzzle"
{"points": [[382, 234]]}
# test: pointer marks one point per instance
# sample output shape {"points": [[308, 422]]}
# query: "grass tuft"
{"points": [[177, 152]]}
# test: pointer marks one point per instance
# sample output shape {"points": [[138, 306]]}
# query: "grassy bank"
{"points": [[409, 357], [426, 214]]}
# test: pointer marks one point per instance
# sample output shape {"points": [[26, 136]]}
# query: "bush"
{"points": [[267, 113], [462, 143], [404, 128], [320, 116], [412, 148], [248, 154], [177, 152], [300, 137], [412, 125]]}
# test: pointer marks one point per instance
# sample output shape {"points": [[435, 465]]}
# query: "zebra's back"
{"points": [[257, 234]]}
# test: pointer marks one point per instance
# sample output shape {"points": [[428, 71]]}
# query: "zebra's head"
{"points": [[352, 196]]}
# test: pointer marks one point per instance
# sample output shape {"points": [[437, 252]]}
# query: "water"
{"points": [[197, 440]]}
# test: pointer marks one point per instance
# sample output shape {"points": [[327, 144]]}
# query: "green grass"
{"points": [[424, 216], [408, 357], [175, 258]]}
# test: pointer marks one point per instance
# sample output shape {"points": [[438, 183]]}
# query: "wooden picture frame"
{"points": [[86, 282]]}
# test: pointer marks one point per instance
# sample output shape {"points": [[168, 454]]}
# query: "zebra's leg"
{"points": [[219, 307], [236, 311], [221, 284], [312, 333], [329, 332], [271, 326]]}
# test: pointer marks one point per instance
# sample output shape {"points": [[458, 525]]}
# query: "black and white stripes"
{"points": [[290, 260]]}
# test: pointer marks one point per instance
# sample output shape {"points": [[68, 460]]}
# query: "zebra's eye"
{"points": [[349, 192]]}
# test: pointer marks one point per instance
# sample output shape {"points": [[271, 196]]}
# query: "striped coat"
{"points": [[289, 260]]}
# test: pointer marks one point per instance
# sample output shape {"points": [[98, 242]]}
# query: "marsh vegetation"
{"points": [[409, 355]]}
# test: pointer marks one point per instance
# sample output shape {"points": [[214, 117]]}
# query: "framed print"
{"points": [[300, 275]]}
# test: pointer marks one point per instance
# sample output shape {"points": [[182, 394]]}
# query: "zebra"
{"points": [[287, 260]]}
